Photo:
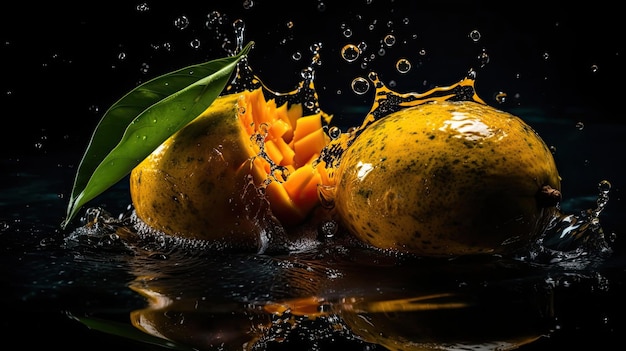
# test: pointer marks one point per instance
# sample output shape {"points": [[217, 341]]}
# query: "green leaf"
{"points": [[142, 120], [127, 331]]}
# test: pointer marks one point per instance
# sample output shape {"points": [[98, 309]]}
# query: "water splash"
{"points": [[574, 235]]}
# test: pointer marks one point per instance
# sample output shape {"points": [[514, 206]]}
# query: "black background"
{"points": [[61, 70]]}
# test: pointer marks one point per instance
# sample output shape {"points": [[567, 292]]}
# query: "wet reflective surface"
{"points": [[102, 285]]}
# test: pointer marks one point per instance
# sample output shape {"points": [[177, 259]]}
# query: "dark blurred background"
{"points": [[561, 67]]}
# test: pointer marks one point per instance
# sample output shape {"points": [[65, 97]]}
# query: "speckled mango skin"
{"points": [[446, 179], [199, 183]]}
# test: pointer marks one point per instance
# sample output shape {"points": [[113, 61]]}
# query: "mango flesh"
{"points": [[240, 174], [447, 179]]}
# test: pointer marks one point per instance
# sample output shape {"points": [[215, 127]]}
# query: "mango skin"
{"points": [[200, 184], [446, 179]]}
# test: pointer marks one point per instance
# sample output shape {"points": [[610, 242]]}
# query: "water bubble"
{"points": [[594, 68], [144, 68], [546, 56], [248, 4], [143, 7], [321, 6], [360, 85], [405, 21], [121, 56], [382, 52], [604, 186], [307, 73], [297, 56], [328, 229], [195, 43], [474, 35], [350, 52], [334, 132], [580, 125], [315, 47], [483, 59], [422, 52], [500, 97], [403, 65], [181, 22], [347, 32], [389, 40]]}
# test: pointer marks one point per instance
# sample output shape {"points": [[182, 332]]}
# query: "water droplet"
{"points": [[143, 7], [360, 85], [248, 4], [389, 40], [350, 52], [144, 68], [604, 186], [483, 59], [403, 65], [181, 22], [501, 97], [334, 132], [195, 43], [307, 73], [475, 35]]}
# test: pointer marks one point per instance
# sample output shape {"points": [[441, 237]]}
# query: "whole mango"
{"points": [[447, 178]]}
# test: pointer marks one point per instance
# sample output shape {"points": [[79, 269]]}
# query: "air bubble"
{"points": [[501, 97], [195, 43], [594, 68], [360, 85], [403, 65], [181, 22], [389, 40], [483, 59], [143, 7], [350, 52], [334, 132], [144, 68], [604, 186], [475, 35], [248, 4], [580, 125]]}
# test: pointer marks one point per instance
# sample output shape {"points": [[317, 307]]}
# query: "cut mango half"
{"points": [[243, 165]]}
